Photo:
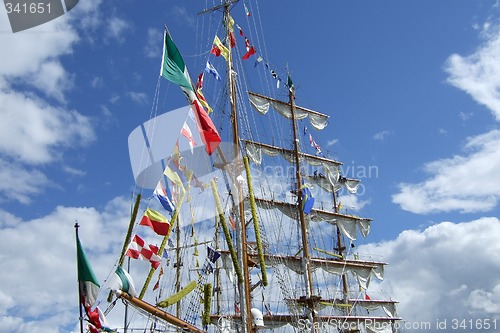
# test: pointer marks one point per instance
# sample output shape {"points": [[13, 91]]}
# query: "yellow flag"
{"points": [[231, 23], [203, 101], [223, 50], [173, 176]]}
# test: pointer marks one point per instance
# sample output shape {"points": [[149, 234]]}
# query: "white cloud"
{"points": [[465, 116], [30, 58], [37, 127], [469, 182], [153, 43], [485, 301], [115, 98], [19, 183], [31, 130], [138, 97], [74, 171], [381, 135], [479, 73], [352, 203], [445, 271], [442, 131], [38, 293], [97, 82], [116, 28], [88, 14], [331, 142], [182, 17], [52, 79], [24, 53]]}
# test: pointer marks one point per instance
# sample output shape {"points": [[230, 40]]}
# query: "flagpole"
{"points": [[79, 289], [126, 304]]}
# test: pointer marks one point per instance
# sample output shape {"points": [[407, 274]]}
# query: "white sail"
{"points": [[261, 103], [348, 224], [255, 150]]}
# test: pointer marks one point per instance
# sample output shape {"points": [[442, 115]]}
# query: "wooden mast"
{"points": [[217, 289], [244, 288], [179, 264], [159, 313], [303, 224], [340, 248]]}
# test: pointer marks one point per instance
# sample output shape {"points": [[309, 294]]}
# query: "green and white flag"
{"points": [[173, 67], [89, 287], [124, 281]]}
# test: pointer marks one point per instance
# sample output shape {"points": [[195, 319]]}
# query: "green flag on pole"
{"points": [[89, 287], [173, 67]]}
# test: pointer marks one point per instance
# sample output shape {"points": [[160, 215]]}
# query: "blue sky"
{"points": [[411, 88]]}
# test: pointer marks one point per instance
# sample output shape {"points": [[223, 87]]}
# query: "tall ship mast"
{"points": [[239, 222]]}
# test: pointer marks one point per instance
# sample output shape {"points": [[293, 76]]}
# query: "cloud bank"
{"points": [[447, 271]]}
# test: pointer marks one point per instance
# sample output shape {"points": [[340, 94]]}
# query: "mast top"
{"points": [[227, 3]]}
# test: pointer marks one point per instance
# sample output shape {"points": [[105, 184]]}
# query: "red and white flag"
{"points": [[186, 132], [97, 320], [139, 249], [199, 82], [250, 49]]}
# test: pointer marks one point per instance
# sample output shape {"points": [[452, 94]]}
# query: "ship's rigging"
{"points": [[272, 258]]}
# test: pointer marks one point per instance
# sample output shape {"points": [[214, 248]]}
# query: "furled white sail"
{"points": [[261, 104], [255, 150], [348, 224]]}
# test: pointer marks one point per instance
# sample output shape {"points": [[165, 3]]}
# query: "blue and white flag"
{"points": [[209, 68], [161, 195]]}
